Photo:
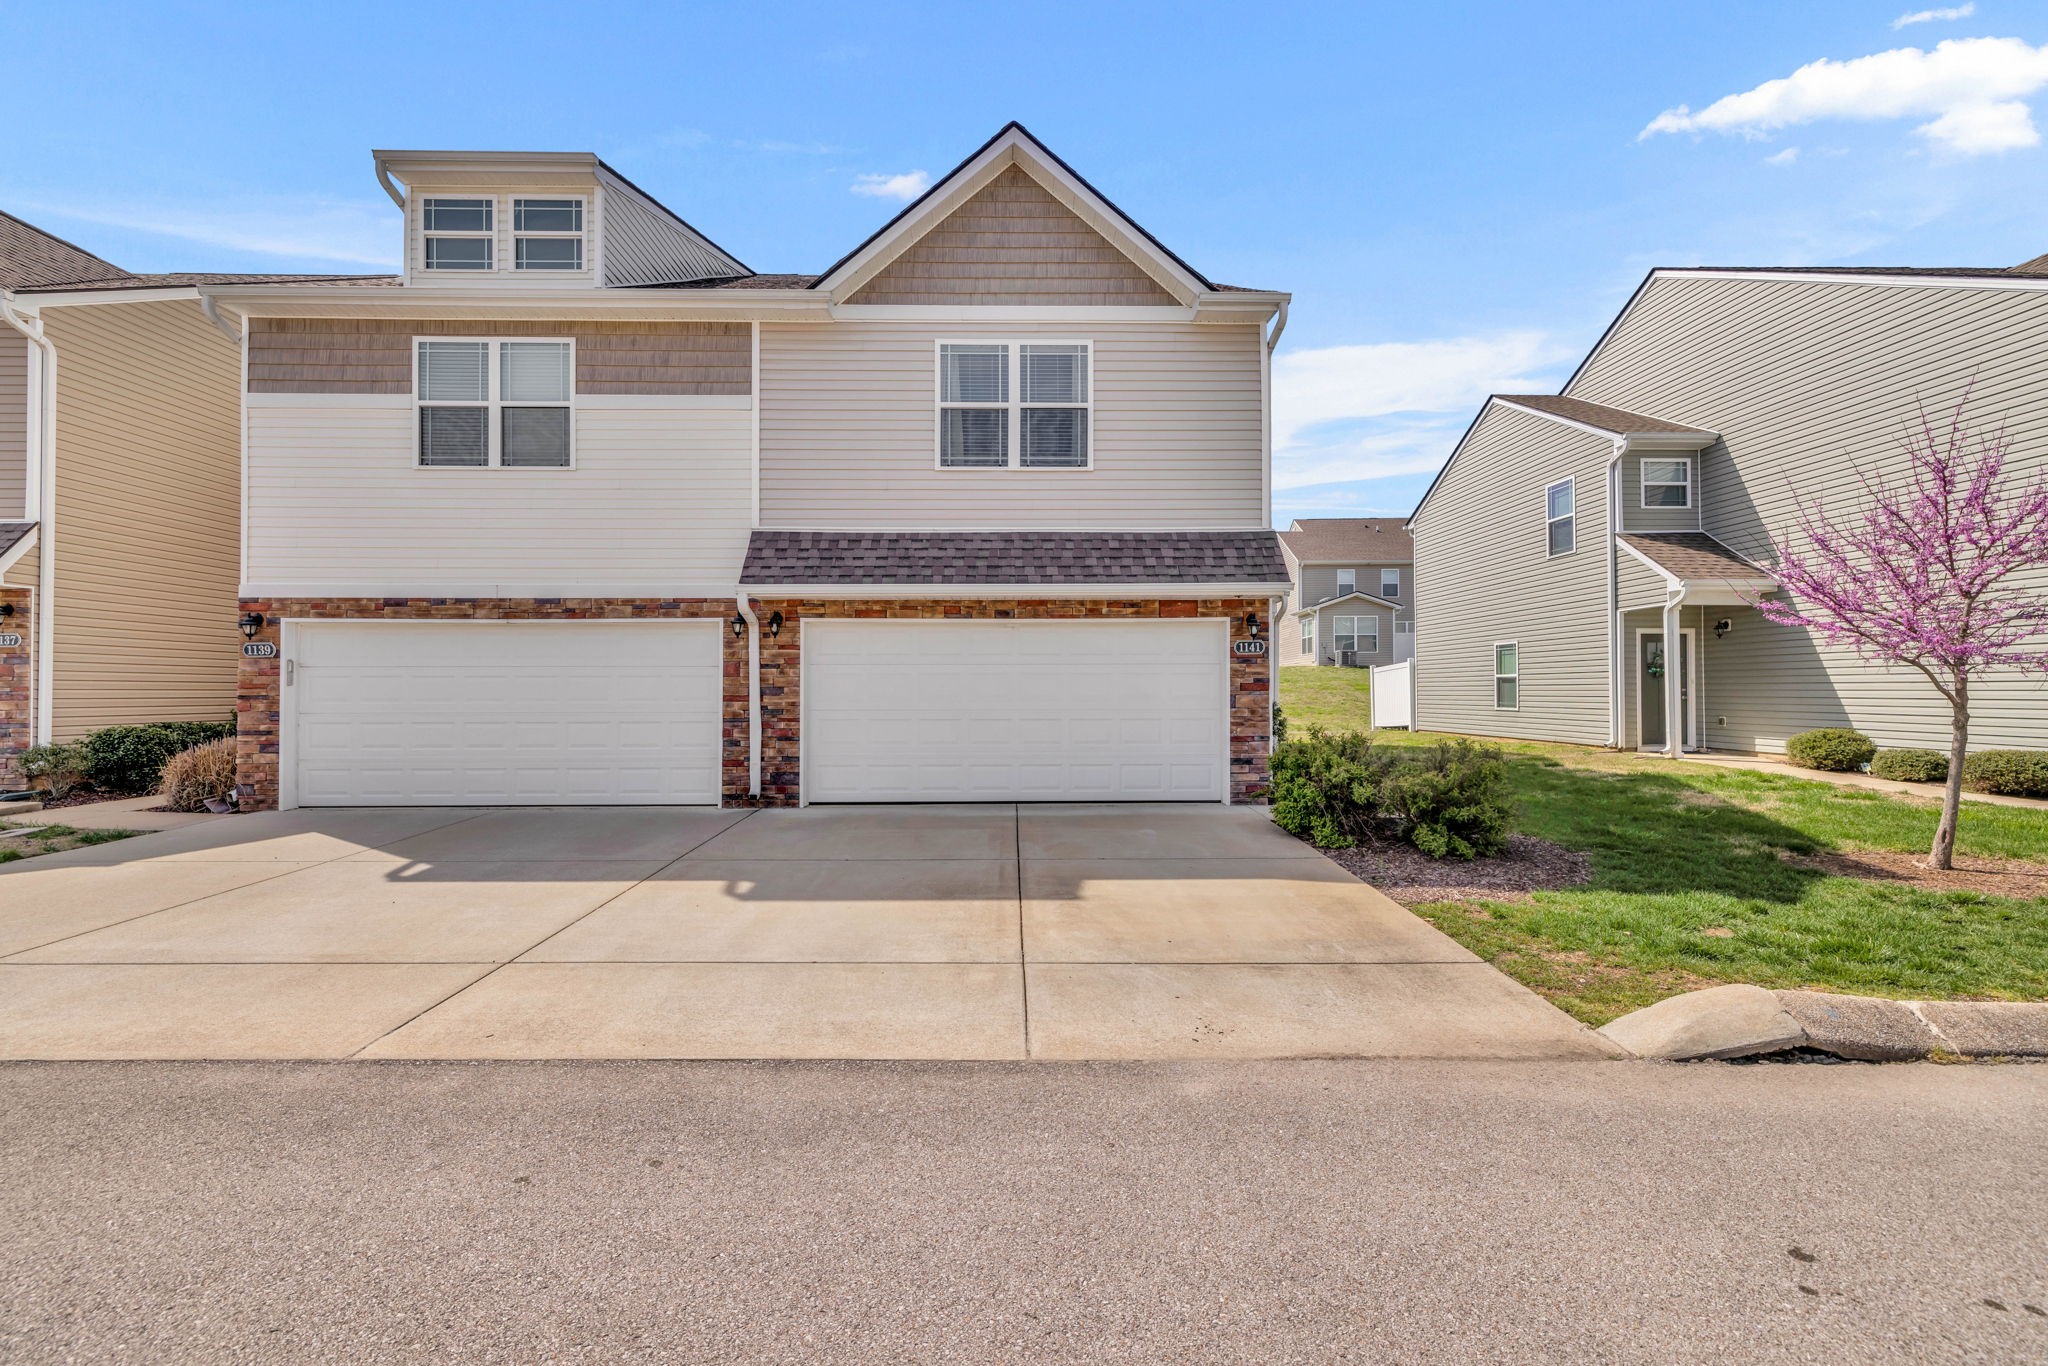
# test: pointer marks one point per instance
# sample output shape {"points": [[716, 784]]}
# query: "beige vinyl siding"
{"points": [[1640, 585], [1012, 243], [659, 502], [1806, 380], [1698, 620], [849, 430], [13, 425], [1326, 635], [375, 356], [1485, 576], [1636, 517], [148, 457], [1318, 582]]}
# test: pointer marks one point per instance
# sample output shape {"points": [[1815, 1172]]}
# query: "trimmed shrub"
{"points": [[131, 759], [203, 772], [1279, 724], [1830, 749], [55, 769], [1326, 787], [1451, 799], [2007, 772], [1448, 799], [1911, 766]]}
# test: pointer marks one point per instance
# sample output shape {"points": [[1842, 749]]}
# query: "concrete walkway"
{"points": [[964, 932], [124, 813], [1928, 792]]}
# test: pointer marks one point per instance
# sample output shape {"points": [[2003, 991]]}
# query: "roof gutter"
{"points": [[39, 501], [390, 188], [212, 312]]}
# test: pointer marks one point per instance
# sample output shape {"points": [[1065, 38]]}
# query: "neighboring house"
{"points": [[1570, 538], [583, 510], [120, 454], [1352, 592]]}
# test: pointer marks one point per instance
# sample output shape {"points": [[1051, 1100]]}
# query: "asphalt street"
{"points": [[1212, 1212]]}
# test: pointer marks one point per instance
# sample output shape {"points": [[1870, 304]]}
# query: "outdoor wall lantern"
{"points": [[774, 624], [1723, 627], [251, 623], [1251, 624], [6, 610], [739, 625]]}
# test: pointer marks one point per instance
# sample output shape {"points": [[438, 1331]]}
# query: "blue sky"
{"points": [[1459, 196]]}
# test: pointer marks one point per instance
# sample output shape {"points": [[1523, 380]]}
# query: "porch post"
{"points": [[1674, 714]]}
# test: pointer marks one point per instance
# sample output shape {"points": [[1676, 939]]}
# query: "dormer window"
{"points": [[547, 234], [459, 233]]}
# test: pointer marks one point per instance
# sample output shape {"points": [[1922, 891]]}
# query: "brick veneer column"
{"points": [[1251, 677], [17, 686], [258, 695]]}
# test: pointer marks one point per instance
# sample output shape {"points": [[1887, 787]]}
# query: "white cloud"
{"points": [[1784, 158], [1929, 16], [909, 185], [1376, 410], [1972, 87], [351, 232]]}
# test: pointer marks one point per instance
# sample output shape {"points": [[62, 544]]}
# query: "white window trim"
{"points": [[1308, 635], [1498, 646], [1357, 635], [1015, 404], [1571, 482], [581, 235], [1342, 591], [489, 236], [1383, 583], [493, 405], [1643, 484]]}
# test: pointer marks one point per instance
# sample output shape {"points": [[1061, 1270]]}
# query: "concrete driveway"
{"points": [[961, 932]]}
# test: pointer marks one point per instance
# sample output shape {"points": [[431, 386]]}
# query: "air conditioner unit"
{"points": [[1347, 659]]}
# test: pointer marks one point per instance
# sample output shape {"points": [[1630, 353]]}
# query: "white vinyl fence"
{"points": [[1393, 694]]}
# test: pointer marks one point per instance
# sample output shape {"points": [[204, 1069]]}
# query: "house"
{"points": [[1353, 590], [120, 455], [1571, 538], [582, 509]]}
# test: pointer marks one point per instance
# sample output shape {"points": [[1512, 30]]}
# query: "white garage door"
{"points": [[397, 713], [923, 711]]}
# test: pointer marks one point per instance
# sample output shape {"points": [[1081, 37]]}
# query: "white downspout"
{"points": [[1674, 675], [1617, 675], [39, 502], [206, 306], [753, 692]]}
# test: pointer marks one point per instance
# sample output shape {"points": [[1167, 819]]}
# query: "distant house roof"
{"points": [[1359, 540], [1616, 420], [1316, 607], [971, 558], [1692, 555]]}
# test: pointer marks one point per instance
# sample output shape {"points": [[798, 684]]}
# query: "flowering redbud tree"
{"points": [[1928, 576]]}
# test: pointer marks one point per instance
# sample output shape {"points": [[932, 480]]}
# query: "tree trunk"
{"points": [[1944, 851]]}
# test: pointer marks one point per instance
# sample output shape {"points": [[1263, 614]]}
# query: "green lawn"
{"points": [[1696, 880], [51, 839]]}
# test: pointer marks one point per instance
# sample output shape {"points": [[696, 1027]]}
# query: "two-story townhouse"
{"points": [[1570, 538], [1353, 589], [583, 510], [120, 456]]}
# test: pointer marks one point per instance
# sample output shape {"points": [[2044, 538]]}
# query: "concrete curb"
{"points": [[1744, 1021]]}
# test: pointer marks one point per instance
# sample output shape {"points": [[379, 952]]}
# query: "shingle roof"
{"points": [[1365, 540], [30, 257], [1013, 557], [2037, 266], [740, 282], [1617, 420], [12, 534], [1692, 555], [186, 279]]}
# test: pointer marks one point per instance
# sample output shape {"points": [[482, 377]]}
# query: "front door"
{"points": [[1650, 686]]}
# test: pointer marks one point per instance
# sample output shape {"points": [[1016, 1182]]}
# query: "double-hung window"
{"points": [[1557, 501], [547, 234], [486, 403], [1308, 635], [1507, 676], [1390, 583], [1014, 405], [459, 233], [1347, 582], [1667, 483], [1359, 634]]}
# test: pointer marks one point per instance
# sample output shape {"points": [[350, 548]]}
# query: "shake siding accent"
{"points": [[13, 424], [1636, 517], [1805, 381], [1484, 577], [374, 356], [149, 441], [1012, 243], [659, 501], [848, 430]]}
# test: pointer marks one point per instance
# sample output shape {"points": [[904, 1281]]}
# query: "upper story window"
{"points": [[486, 403], [547, 234], [1014, 405], [460, 233], [1557, 500], [1390, 583], [1667, 483], [1347, 582]]}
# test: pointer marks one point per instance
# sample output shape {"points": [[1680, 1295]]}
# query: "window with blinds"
{"points": [[1014, 405], [485, 403]]}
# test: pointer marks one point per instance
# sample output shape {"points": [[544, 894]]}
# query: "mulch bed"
{"points": [[1413, 878], [1990, 876], [86, 799]]}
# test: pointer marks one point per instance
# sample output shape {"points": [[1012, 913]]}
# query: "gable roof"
{"points": [[1361, 596], [1363, 540], [1692, 555], [30, 257], [1617, 421], [1013, 144]]}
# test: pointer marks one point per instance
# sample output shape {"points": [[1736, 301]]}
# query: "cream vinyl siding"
{"points": [[1805, 380], [658, 502], [1485, 577], [848, 430], [149, 440], [13, 425], [1636, 517], [1640, 585]]}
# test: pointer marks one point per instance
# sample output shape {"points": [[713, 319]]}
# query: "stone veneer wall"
{"points": [[17, 683], [258, 701], [1251, 680]]}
